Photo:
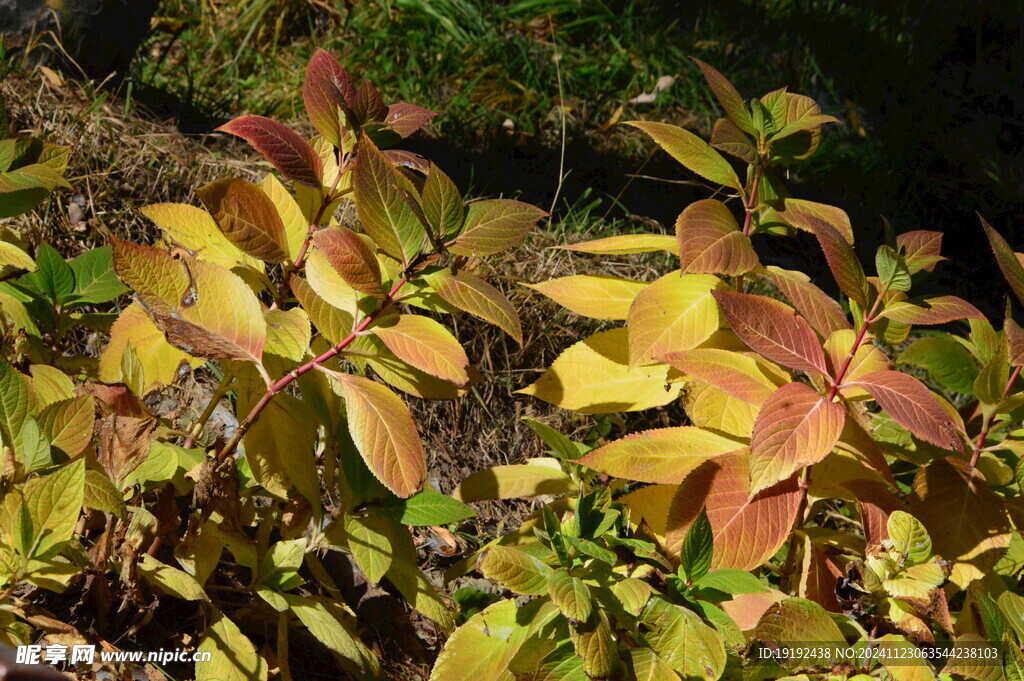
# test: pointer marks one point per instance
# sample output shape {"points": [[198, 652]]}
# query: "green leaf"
{"points": [[482, 648], [427, 508], [515, 570], [101, 495], [170, 580], [367, 540], [442, 204], [683, 640], [593, 549], [54, 277], [233, 657], [892, 269], [561, 446], [15, 401], [570, 595], [695, 554], [731, 581], [691, 151], [95, 278], [948, 362], [53, 504], [281, 564], [383, 212], [329, 623], [909, 536]]}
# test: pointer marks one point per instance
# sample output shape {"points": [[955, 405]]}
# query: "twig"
{"points": [[283, 382], [986, 425]]}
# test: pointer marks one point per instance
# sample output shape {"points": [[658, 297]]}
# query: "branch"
{"points": [[283, 382]]}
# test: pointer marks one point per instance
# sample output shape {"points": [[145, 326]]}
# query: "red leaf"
{"points": [[747, 530], [1014, 342], [1007, 260], [405, 119], [408, 159], [327, 92], [842, 259], [795, 428], [773, 329], [283, 147], [727, 96], [817, 307], [909, 402]]}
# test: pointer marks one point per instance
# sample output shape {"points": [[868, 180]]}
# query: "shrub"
{"points": [[116, 500], [816, 496]]}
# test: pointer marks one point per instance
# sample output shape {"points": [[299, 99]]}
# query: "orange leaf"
{"points": [[426, 345], [796, 427], [747, 530], [384, 433], [842, 259], [738, 375], [494, 226], [327, 92], [475, 296], [773, 329], [351, 258], [247, 217], [909, 402], [405, 119], [932, 310], [819, 309], [921, 249], [710, 241]]}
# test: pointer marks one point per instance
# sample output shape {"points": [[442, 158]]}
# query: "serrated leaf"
{"points": [[68, 424], [53, 504], [683, 641], [747, 529], [475, 296], [384, 433], [593, 376], [798, 619], [495, 225], [731, 581], [697, 549], [921, 249], [949, 363], [247, 217], [232, 655], [161, 362], [727, 96], [351, 258], [795, 428], [909, 536], [367, 540], [823, 313], [841, 258], [203, 309], [866, 359], [426, 345], [53, 276], [405, 119], [570, 595], [561, 446], [327, 92], [330, 625], [380, 206], [170, 580], [1007, 260], [288, 333], [95, 278], [741, 376], [966, 520], [286, 151], [50, 385], [626, 244], [12, 256], [194, 229], [442, 204], [931, 310], [676, 312], [774, 330], [538, 477], [594, 296], [691, 151], [662, 455], [427, 509], [482, 648], [710, 241], [515, 570], [912, 405]]}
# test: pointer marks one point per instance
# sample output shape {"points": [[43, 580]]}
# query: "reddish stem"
{"points": [[987, 424], [281, 383], [869, 319], [751, 202]]}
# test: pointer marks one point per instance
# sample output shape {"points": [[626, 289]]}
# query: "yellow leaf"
{"points": [[68, 424], [162, 363], [676, 312], [594, 377], [202, 308], [426, 345], [709, 407], [747, 377], [867, 359], [233, 657], [475, 296], [534, 478], [333, 323], [662, 455], [49, 385], [384, 433], [288, 333], [295, 225], [11, 255], [329, 285], [516, 570], [597, 297], [192, 228], [627, 244], [650, 504]]}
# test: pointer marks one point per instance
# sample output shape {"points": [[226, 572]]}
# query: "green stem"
{"points": [[986, 425]]}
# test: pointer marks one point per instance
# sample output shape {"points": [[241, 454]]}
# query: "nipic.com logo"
{"points": [[86, 654]]}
